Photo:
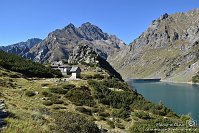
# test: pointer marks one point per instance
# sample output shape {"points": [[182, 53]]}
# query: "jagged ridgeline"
{"points": [[27, 67]]}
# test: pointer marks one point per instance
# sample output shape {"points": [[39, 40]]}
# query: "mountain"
{"points": [[168, 49], [21, 48], [60, 43]]}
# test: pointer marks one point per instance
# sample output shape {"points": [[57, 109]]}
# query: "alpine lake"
{"points": [[182, 98]]}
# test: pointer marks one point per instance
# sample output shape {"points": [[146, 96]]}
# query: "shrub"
{"points": [[114, 83], [98, 76], [46, 94], [58, 90], [58, 102], [68, 86], [84, 110], [56, 99], [59, 107], [111, 124], [80, 96], [142, 115], [95, 110], [47, 103], [86, 77], [120, 113], [119, 125], [104, 114], [66, 122], [30, 93], [44, 84]]}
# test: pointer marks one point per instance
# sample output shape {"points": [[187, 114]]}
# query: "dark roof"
{"points": [[64, 66], [60, 66], [74, 69]]}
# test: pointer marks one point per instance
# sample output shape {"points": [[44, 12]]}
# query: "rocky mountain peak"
{"points": [[92, 32], [164, 16], [70, 25]]}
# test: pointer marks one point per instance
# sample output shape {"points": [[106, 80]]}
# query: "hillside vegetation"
{"points": [[27, 67], [96, 104]]}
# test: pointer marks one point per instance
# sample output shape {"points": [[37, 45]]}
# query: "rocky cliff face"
{"points": [[21, 48], [87, 55], [60, 43], [169, 49]]}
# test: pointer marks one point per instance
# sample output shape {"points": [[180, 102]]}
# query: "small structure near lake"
{"points": [[65, 69], [76, 72]]}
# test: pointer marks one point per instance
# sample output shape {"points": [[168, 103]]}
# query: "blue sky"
{"points": [[127, 19]]}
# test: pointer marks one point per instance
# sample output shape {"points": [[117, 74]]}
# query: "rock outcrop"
{"points": [[87, 55], [3, 113]]}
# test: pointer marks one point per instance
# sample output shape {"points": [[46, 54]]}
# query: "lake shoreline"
{"points": [[181, 97], [166, 81]]}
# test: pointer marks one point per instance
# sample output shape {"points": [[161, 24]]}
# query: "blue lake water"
{"points": [[181, 98]]}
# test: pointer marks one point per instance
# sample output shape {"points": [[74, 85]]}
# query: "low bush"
{"points": [[47, 103], [84, 110], [95, 110], [30, 93], [80, 96], [120, 113], [66, 122], [68, 86], [59, 107], [111, 124], [46, 94], [58, 90], [114, 83], [119, 125], [55, 99], [86, 77], [58, 102], [142, 115], [44, 84], [98, 76], [104, 114]]}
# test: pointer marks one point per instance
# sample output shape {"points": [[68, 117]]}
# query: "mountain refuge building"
{"points": [[76, 72], [65, 69]]}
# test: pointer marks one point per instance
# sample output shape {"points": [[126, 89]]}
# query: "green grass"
{"points": [[35, 114]]}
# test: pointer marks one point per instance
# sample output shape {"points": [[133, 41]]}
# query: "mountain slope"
{"points": [[60, 43], [169, 49], [84, 54], [26, 67], [21, 48]]}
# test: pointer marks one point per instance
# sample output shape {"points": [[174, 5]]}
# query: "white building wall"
{"points": [[73, 75]]}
